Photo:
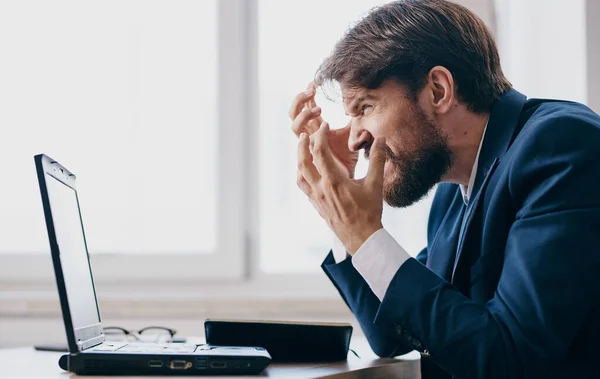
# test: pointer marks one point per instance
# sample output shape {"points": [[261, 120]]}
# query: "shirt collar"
{"points": [[468, 189]]}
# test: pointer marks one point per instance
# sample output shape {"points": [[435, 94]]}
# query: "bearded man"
{"points": [[508, 285]]}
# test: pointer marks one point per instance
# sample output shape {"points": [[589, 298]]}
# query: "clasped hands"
{"points": [[351, 207]]}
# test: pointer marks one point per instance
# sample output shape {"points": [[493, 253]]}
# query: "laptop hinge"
{"points": [[91, 342]]}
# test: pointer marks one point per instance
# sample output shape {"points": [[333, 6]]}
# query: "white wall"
{"points": [[543, 47], [593, 53]]}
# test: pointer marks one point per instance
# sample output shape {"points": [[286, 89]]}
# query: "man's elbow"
{"points": [[388, 348]]}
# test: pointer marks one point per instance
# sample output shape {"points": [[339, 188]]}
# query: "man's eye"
{"points": [[366, 109]]}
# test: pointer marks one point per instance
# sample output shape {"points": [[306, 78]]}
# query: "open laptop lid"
{"points": [[69, 254]]}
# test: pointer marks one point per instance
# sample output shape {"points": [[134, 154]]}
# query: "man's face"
{"points": [[417, 150]]}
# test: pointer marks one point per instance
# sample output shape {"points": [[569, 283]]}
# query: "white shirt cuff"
{"points": [[339, 251], [378, 260]]}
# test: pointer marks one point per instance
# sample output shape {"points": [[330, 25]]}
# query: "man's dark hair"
{"points": [[405, 39]]}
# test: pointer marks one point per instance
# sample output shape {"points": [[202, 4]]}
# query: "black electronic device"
{"points": [[286, 341]]}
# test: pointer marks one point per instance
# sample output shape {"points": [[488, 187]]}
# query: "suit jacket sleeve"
{"points": [[550, 277], [364, 304]]}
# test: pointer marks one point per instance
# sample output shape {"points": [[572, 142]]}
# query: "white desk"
{"points": [[31, 364]]}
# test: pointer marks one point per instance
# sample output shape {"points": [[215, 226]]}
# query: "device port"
{"points": [[180, 365], [156, 363], [201, 364], [218, 364]]}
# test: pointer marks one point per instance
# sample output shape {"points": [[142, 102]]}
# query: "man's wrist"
{"points": [[378, 260], [360, 237]]}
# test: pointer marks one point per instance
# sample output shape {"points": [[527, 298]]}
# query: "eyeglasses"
{"points": [[159, 334]]}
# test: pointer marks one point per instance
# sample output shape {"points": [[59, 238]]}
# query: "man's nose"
{"points": [[358, 138]]}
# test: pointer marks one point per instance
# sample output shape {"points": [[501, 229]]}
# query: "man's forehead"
{"points": [[351, 94]]}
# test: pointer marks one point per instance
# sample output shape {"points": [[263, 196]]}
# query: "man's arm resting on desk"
{"points": [[359, 295], [364, 305]]}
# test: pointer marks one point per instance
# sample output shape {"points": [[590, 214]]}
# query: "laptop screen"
{"points": [[73, 254]]}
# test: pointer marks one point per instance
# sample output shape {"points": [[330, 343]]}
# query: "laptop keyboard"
{"points": [[145, 348]]}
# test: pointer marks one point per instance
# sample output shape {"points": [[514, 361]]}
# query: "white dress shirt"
{"points": [[380, 256]]}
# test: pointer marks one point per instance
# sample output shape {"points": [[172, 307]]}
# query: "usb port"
{"points": [[156, 363], [218, 364]]}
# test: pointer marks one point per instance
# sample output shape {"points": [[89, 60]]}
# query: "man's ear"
{"points": [[440, 86]]}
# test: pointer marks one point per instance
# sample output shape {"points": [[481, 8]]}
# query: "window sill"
{"points": [[273, 296]]}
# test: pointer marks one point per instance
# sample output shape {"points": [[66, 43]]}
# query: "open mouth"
{"points": [[367, 149]]}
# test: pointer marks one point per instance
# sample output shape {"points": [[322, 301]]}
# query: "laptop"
{"points": [[89, 351]]}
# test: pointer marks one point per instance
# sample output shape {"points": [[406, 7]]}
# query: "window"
{"points": [[124, 94], [293, 238]]}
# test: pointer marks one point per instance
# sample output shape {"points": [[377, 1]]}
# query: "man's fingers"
{"points": [[322, 153], [299, 102], [315, 122], [302, 122], [377, 162], [340, 133], [311, 103], [312, 86], [306, 168], [313, 125], [304, 113], [303, 185]]}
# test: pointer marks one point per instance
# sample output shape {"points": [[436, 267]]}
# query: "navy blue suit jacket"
{"points": [[515, 291]]}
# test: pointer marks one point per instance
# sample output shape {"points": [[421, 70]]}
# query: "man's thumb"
{"points": [[377, 160]]}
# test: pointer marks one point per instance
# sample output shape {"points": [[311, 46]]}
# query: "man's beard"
{"points": [[416, 172]]}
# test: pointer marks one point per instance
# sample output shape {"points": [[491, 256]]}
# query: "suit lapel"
{"points": [[443, 247], [469, 215], [500, 132]]}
